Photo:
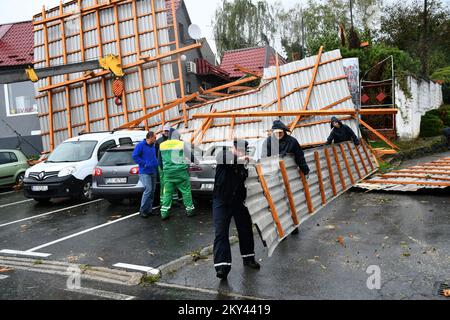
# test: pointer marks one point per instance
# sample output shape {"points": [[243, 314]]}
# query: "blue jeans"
{"points": [[149, 182]]}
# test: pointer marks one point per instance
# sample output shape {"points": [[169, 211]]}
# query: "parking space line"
{"points": [[208, 291], [8, 192], [49, 213], [102, 294], [14, 203], [150, 270], [82, 232], [26, 253], [3, 277]]}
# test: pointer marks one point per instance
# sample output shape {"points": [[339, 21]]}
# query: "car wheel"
{"points": [[86, 190], [19, 179], [42, 200], [114, 201]]}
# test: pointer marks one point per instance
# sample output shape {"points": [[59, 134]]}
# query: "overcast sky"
{"points": [[200, 11]]}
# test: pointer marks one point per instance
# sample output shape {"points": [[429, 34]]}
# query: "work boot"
{"points": [[191, 213], [143, 215], [252, 264], [165, 216], [221, 274]]}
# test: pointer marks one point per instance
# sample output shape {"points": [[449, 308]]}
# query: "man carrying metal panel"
{"points": [[281, 143], [228, 201], [341, 132], [173, 158]]}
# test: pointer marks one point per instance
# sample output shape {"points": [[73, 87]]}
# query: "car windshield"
{"points": [[73, 151], [117, 158]]}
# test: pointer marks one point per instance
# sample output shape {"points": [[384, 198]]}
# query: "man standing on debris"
{"points": [[228, 201], [174, 158], [281, 143], [341, 132], [167, 132], [145, 156]]}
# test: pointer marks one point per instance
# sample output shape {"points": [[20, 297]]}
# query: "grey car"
{"points": [[116, 176]]}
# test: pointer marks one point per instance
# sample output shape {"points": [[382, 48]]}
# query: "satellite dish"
{"points": [[195, 32]]}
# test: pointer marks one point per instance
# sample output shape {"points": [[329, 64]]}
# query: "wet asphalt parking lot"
{"points": [[406, 235]]}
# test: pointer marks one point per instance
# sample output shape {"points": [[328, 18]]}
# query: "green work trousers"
{"points": [[173, 181]]}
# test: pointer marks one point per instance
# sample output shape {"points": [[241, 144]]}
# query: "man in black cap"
{"points": [[341, 132], [228, 201], [281, 143]]}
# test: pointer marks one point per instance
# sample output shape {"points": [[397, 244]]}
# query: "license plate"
{"points": [[207, 186], [39, 188], [116, 180]]}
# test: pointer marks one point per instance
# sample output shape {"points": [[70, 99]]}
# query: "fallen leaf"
{"points": [[341, 241], [6, 269], [446, 293], [150, 253], [406, 254], [101, 259], [350, 235], [116, 217]]}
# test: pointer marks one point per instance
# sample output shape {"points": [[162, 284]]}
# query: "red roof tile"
{"points": [[16, 44], [254, 59]]}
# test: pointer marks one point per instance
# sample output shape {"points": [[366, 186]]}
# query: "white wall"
{"points": [[425, 96]]}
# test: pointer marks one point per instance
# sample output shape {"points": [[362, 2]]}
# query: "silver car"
{"points": [[203, 174], [116, 176]]}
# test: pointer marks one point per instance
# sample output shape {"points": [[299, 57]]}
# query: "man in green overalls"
{"points": [[175, 157]]}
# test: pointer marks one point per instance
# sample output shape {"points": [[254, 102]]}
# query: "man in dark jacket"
{"points": [[228, 201], [145, 156], [341, 132], [281, 143]]}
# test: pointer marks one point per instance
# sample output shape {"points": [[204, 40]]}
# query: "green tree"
{"points": [[422, 33], [243, 23]]}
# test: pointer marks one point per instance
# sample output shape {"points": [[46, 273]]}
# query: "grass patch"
{"points": [[408, 145], [197, 256], [385, 167], [37, 262], [149, 279], [379, 144]]}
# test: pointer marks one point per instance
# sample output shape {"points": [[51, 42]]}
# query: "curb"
{"points": [[183, 261]]}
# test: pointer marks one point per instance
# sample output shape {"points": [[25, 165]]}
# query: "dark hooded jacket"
{"points": [[287, 145], [229, 182], [163, 139], [344, 133]]}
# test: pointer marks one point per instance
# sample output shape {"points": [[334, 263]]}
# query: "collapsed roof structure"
{"points": [[138, 85]]}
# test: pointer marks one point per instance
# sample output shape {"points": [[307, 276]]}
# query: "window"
{"points": [[7, 157], [104, 147], [181, 31], [117, 158], [19, 99], [188, 87], [74, 151]]}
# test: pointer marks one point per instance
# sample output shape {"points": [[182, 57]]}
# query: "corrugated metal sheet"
{"points": [[331, 87], [86, 100], [430, 175], [362, 165]]}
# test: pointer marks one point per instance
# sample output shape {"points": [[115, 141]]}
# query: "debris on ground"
{"points": [[5, 269], [341, 241]]}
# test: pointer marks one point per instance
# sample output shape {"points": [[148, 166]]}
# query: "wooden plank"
{"points": [[347, 165], [330, 172], [355, 163], [292, 113], [428, 177], [363, 144], [311, 86], [247, 71], [278, 83], [421, 171], [287, 187], [319, 175], [307, 192], [231, 84], [338, 165], [180, 67], [273, 210], [378, 134], [420, 183]]}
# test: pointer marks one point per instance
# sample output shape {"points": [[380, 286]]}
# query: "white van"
{"points": [[67, 172]]}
